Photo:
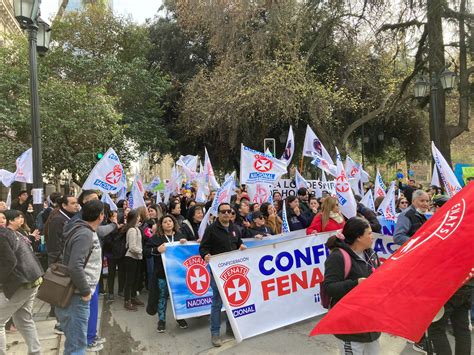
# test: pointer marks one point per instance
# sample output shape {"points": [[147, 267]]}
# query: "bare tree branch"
{"points": [[400, 25], [458, 15], [364, 119]]}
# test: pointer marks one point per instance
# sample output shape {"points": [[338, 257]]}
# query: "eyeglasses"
{"points": [[259, 217], [404, 203], [232, 213], [225, 211]]}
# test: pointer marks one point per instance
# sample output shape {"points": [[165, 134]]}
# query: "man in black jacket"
{"points": [[54, 235], [20, 277], [55, 224], [369, 215], [220, 237]]}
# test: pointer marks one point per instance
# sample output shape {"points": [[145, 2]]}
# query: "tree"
{"points": [[431, 16]]}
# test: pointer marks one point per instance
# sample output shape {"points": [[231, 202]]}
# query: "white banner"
{"points": [[268, 287], [287, 187]]}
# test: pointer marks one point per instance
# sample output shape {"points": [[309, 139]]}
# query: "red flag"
{"points": [[403, 296]]}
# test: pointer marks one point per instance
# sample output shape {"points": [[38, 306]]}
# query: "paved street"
{"points": [[135, 333], [129, 332]]}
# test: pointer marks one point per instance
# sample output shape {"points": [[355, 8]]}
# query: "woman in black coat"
{"points": [[356, 240]]}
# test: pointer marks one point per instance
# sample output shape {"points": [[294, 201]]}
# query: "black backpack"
{"points": [[119, 245]]}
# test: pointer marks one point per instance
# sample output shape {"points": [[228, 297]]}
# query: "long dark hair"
{"points": [[132, 218]]}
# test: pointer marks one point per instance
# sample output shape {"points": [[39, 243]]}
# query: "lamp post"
{"points": [[39, 35], [423, 87]]}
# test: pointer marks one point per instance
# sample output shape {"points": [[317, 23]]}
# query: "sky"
{"points": [[139, 10]]}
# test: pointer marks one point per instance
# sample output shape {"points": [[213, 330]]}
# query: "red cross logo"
{"points": [[223, 196], [262, 164], [236, 285], [354, 171], [197, 279], [115, 175], [341, 184]]}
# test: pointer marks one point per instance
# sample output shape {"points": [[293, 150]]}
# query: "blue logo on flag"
{"points": [[239, 312]]}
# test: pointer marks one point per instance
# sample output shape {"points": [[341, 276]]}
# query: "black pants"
{"points": [[458, 310], [131, 275], [113, 264]]}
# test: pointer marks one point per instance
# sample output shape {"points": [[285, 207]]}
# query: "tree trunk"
{"points": [[436, 64]]}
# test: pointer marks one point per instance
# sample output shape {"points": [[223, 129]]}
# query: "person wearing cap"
{"points": [[439, 201], [259, 229]]}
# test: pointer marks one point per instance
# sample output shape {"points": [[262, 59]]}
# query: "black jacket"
{"points": [[217, 239], [263, 230], [337, 287], [54, 233], [18, 263], [190, 230], [151, 249], [370, 216]]}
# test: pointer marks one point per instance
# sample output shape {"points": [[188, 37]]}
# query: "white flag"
{"points": [[189, 165], [364, 175], [435, 178], [354, 174], [122, 195], [300, 180], [158, 197], [204, 224], [24, 167], [380, 188], [108, 174], [6, 177], [451, 183], [209, 171], [106, 199], [323, 176], [9, 199], [258, 167], [368, 200], [312, 145], [135, 199], [223, 194], [260, 193], [387, 207], [289, 148], [202, 188], [285, 226], [347, 202], [324, 165]]}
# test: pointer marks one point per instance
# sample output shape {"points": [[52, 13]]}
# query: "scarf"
{"points": [[336, 216]]}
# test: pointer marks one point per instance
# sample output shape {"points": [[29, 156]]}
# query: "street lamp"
{"points": [[39, 35], [423, 86]]}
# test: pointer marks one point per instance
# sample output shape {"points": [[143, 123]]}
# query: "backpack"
{"points": [[325, 299]]}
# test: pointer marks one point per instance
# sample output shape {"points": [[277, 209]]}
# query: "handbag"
{"points": [[57, 287]]}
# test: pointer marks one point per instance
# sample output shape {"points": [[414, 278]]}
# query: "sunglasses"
{"points": [[404, 203], [259, 217], [225, 211]]}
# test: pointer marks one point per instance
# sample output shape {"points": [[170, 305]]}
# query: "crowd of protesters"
{"points": [[118, 254]]}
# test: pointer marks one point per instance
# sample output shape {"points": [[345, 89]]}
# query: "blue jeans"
{"points": [[93, 317], [216, 309], [74, 320]]}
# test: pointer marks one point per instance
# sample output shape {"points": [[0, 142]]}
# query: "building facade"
{"points": [[8, 23]]}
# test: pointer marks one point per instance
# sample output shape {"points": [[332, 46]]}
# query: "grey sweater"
{"points": [[81, 240]]}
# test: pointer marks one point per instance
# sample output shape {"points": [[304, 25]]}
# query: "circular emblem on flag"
{"points": [[354, 171], [318, 147], [223, 195], [198, 279], [115, 175], [237, 289], [262, 164], [341, 184], [287, 152]]}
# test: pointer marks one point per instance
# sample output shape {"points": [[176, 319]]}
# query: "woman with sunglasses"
{"points": [[330, 218], [259, 229], [401, 204]]}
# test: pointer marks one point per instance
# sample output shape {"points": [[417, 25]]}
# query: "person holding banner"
{"points": [[167, 232], [220, 237], [356, 240], [330, 218]]}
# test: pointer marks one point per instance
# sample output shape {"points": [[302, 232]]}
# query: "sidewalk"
{"points": [[51, 343]]}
